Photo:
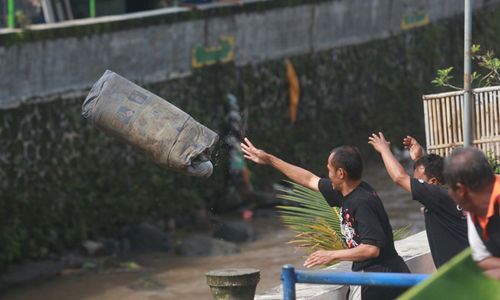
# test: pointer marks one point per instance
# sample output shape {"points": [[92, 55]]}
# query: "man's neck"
{"points": [[483, 196], [349, 186]]}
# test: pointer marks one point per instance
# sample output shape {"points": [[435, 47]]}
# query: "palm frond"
{"points": [[319, 237], [312, 208], [316, 223], [401, 233]]}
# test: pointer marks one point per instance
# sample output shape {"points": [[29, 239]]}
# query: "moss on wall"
{"points": [[62, 181]]}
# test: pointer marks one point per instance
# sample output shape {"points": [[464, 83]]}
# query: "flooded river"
{"points": [[166, 276]]}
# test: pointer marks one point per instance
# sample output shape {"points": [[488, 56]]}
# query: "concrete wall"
{"points": [[414, 250], [52, 61]]}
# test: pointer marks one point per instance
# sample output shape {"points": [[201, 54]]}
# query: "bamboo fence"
{"points": [[443, 120]]}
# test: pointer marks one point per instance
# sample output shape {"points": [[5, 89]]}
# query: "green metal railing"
{"points": [[11, 14], [92, 8]]}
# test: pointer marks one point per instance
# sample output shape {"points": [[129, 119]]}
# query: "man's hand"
{"points": [[412, 145], [494, 273], [491, 266], [379, 142], [296, 174], [256, 155], [360, 253], [392, 165], [320, 257]]}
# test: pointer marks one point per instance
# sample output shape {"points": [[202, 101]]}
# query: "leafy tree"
{"points": [[488, 62], [494, 161]]}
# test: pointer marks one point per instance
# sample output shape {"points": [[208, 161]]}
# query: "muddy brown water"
{"points": [[166, 276]]}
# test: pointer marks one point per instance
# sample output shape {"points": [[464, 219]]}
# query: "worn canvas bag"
{"points": [[171, 137]]}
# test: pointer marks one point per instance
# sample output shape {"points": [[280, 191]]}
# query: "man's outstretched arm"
{"points": [[296, 174], [392, 165]]}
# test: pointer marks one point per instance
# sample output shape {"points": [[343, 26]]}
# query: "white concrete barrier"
{"points": [[414, 250]]}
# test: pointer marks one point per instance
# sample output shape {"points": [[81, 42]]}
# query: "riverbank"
{"points": [[167, 276]]}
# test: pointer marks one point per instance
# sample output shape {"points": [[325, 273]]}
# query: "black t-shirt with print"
{"points": [[364, 221], [445, 224]]}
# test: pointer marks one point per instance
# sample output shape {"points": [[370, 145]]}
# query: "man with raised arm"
{"points": [[445, 222], [474, 186], [364, 225]]}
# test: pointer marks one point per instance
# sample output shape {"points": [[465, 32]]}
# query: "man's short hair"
{"points": [[433, 165], [468, 166], [349, 159]]}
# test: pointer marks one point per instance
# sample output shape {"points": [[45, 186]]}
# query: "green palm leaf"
{"points": [[316, 223], [401, 233]]}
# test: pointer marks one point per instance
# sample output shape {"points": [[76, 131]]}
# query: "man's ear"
{"points": [[434, 180], [342, 173], [460, 190]]}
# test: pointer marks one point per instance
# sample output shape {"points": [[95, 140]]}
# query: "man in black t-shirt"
{"points": [[445, 223], [365, 225]]}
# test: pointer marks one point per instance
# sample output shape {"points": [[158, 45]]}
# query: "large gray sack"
{"points": [[171, 137]]}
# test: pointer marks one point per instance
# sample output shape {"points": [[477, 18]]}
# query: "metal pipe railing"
{"points": [[467, 74], [92, 8], [11, 14], [290, 276]]}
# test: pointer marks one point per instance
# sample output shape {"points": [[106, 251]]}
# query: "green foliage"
{"points": [[494, 161], [491, 64], [22, 21], [475, 49], [443, 78], [487, 61], [401, 233], [317, 225]]}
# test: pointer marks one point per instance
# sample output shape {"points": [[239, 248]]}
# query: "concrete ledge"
{"points": [[414, 250]]}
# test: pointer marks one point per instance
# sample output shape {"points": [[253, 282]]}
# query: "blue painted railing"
{"points": [[290, 276]]}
